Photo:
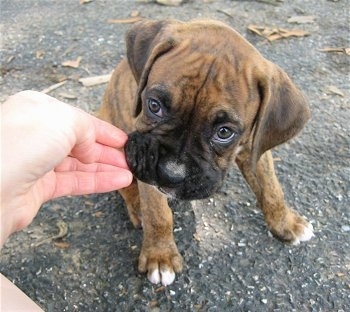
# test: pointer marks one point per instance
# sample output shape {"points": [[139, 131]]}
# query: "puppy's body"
{"points": [[195, 97]]}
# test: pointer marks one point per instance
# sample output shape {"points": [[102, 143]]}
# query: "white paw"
{"points": [[154, 277], [306, 235], [166, 277]]}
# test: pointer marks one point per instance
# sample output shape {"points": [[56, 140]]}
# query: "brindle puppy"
{"points": [[197, 97]]}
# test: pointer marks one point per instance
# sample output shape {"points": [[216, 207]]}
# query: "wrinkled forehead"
{"points": [[199, 81]]}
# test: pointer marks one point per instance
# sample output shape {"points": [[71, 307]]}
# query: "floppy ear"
{"points": [[145, 43], [282, 114]]}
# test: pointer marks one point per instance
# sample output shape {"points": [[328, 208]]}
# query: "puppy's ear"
{"points": [[145, 42], [282, 114]]}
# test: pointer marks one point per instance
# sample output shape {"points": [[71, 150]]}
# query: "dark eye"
{"points": [[224, 134], [155, 107]]}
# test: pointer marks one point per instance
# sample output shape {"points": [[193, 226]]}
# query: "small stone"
{"points": [[345, 228]]}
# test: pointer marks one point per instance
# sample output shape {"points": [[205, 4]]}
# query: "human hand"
{"points": [[51, 149]]}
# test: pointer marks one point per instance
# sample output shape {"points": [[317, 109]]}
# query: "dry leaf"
{"points": [[197, 237], [39, 54], [61, 245], [57, 77], [128, 20], [73, 63], [285, 33], [334, 90], [301, 19], [98, 214], [255, 29], [62, 232], [10, 59], [134, 13], [95, 80], [273, 34], [68, 96], [85, 1], [170, 2], [337, 50]]}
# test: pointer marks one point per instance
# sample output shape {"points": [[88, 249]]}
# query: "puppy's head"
{"points": [[204, 93]]}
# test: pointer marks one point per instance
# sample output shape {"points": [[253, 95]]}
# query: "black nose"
{"points": [[171, 173]]}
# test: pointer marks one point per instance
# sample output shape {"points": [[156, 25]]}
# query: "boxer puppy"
{"points": [[196, 97]]}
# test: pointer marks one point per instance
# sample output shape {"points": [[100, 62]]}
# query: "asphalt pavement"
{"points": [[230, 261]]}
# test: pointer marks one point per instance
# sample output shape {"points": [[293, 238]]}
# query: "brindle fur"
{"points": [[207, 70]]}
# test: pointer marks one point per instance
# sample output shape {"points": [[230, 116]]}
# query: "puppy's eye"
{"points": [[155, 107], [224, 134]]}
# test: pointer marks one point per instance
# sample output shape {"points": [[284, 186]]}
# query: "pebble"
{"points": [[345, 228]]}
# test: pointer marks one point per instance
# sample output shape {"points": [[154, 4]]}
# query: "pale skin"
{"points": [[51, 149]]}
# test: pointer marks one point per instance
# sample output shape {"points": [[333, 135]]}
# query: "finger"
{"points": [[108, 134], [73, 164], [99, 154], [95, 152], [83, 183]]}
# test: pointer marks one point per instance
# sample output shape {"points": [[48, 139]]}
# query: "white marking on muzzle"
{"points": [[178, 170]]}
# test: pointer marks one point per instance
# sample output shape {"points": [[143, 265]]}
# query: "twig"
{"points": [[53, 87]]}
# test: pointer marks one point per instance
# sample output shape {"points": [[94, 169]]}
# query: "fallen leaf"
{"points": [[255, 29], [39, 54], [271, 2], [73, 63], [98, 214], [68, 96], [159, 289], [273, 34], [301, 19], [170, 2], [85, 1], [227, 13], [61, 245], [153, 304], [337, 50], [334, 90], [10, 59], [62, 232], [57, 77], [196, 236], [285, 33], [129, 20], [134, 13], [95, 80]]}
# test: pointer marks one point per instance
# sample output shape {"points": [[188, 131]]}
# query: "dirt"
{"points": [[231, 263]]}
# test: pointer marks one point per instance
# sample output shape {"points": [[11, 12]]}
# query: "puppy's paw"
{"points": [[161, 263], [292, 228]]}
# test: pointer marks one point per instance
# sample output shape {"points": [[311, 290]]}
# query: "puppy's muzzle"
{"points": [[180, 176], [149, 161]]}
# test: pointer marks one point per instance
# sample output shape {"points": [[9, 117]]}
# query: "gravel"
{"points": [[231, 262]]}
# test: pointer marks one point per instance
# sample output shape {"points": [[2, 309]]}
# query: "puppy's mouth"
{"points": [[180, 176], [169, 192]]}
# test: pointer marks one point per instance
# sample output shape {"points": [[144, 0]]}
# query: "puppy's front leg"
{"points": [[159, 254], [283, 222]]}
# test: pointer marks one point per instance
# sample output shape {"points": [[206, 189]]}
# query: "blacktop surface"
{"points": [[231, 263]]}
